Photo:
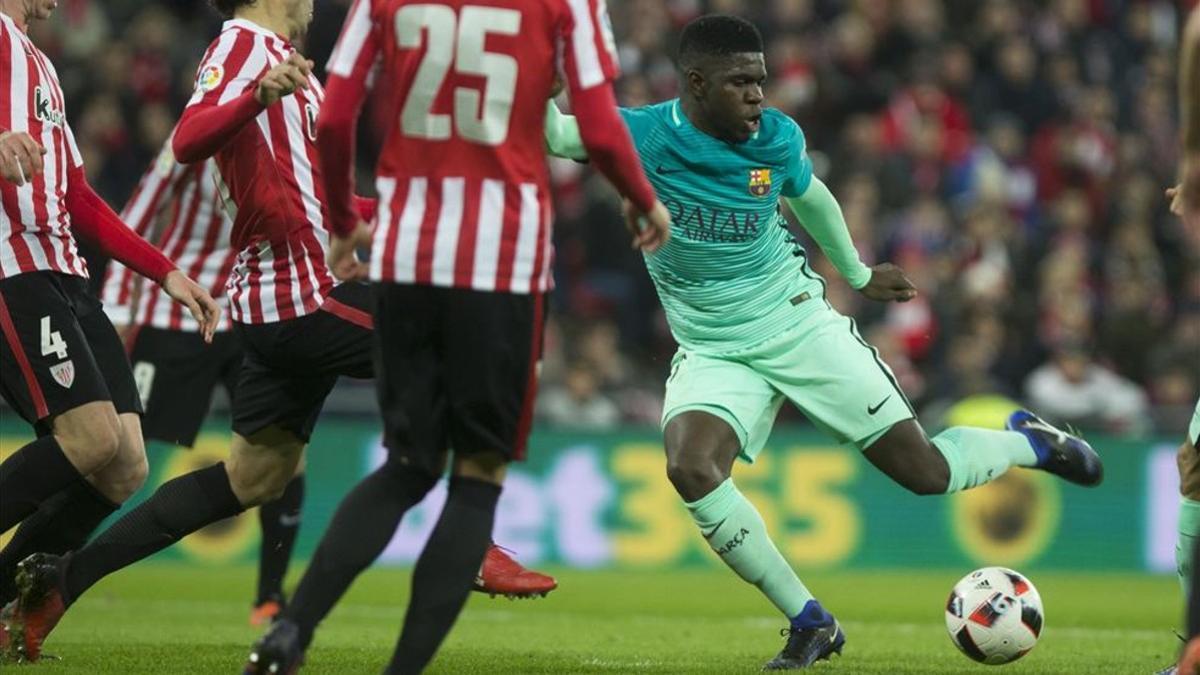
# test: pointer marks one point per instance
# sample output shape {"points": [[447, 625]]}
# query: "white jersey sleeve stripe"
{"points": [[216, 57], [255, 63], [583, 42], [354, 37]]}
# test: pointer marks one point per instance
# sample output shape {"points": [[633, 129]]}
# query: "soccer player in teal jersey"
{"points": [[754, 328]]}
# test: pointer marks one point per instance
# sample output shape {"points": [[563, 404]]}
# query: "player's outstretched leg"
{"points": [[701, 449], [501, 574], [280, 522], [361, 528], [961, 458], [47, 585]]}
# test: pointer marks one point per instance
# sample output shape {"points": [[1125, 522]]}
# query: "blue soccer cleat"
{"points": [[813, 636], [1060, 453]]}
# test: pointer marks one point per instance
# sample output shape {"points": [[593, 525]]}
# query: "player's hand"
{"points": [[1185, 197], [889, 284], [20, 157], [651, 231], [188, 293], [283, 79], [342, 258], [557, 87]]}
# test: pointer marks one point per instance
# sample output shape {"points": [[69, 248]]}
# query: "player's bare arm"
{"points": [[204, 309], [650, 230], [1185, 197], [20, 157], [342, 260]]}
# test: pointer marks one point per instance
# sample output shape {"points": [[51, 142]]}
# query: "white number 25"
{"points": [[458, 41]]}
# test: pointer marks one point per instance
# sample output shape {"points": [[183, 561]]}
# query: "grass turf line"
{"points": [[170, 618]]}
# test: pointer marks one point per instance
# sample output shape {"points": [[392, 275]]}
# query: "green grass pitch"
{"points": [[167, 618]]}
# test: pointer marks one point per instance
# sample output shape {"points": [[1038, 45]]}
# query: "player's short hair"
{"points": [[717, 35], [226, 7]]}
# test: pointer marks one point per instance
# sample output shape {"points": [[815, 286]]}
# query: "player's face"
{"points": [[300, 12], [733, 96]]}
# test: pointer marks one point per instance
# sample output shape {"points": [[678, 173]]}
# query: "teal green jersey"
{"points": [[729, 274]]}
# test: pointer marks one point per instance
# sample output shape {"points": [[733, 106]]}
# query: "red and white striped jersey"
{"points": [[269, 180], [35, 229], [196, 239], [464, 195]]}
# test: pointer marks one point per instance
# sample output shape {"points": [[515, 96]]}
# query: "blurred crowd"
{"points": [[1010, 155]]}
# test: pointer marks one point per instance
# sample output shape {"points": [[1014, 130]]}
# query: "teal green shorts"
{"points": [[823, 366]]}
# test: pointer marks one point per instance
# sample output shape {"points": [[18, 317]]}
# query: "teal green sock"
{"points": [[977, 456], [737, 533], [1189, 529]]}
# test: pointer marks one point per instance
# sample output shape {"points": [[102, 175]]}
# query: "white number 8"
{"points": [[52, 342], [486, 124]]}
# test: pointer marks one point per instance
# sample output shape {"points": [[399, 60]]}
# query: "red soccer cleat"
{"points": [[264, 614], [39, 604], [501, 575]]}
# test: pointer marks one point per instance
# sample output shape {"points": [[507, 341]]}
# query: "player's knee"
{"points": [[124, 476], [258, 484], [91, 440], [693, 477]]}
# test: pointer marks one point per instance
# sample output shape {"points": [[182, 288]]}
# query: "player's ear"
{"points": [[696, 84]]}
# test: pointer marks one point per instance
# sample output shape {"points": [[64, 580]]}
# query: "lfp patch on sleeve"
{"points": [[210, 77]]}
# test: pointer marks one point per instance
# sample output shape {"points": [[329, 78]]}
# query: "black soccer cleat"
{"points": [[41, 603], [278, 652], [1060, 453], [806, 646]]}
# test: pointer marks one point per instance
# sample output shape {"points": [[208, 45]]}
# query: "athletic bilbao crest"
{"points": [[760, 182], [64, 373]]}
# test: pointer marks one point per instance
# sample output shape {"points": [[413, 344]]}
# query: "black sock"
{"points": [[30, 476], [177, 508], [62, 523], [445, 571], [280, 521], [364, 523]]}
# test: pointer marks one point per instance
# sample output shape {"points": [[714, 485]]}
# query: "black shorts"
{"points": [[176, 374], [455, 369], [59, 350], [291, 366]]}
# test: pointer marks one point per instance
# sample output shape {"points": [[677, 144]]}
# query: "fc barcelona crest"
{"points": [[760, 182]]}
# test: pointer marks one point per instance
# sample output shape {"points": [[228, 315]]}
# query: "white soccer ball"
{"points": [[994, 615]]}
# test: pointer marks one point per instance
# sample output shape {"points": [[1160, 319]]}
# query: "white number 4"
{"points": [[459, 45], [52, 342]]}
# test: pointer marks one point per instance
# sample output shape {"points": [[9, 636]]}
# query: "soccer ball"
{"points": [[994, 615]]}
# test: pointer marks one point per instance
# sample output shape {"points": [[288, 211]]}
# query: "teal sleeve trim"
{"points": [[562, 135], [821, 217]]}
